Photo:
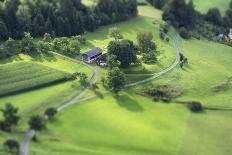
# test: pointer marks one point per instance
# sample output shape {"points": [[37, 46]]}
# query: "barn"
{"points": [[92, 55]]}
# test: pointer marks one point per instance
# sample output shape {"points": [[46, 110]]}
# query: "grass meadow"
{"points": [[134, 125], [131, 124], [203, 6]]}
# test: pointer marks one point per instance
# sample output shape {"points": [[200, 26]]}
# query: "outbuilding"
{"points": [[92, 55]]}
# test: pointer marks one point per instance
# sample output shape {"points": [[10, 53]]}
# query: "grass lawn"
{"points": [[204, 5]]}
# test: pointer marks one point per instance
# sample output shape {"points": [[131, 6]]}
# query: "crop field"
{"points": [[18, 77]]}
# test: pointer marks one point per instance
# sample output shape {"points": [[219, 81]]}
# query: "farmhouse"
{"points": [[230, 35], [92, 55]]}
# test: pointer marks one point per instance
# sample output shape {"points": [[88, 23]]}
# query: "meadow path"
{"points": [[30, 133]]}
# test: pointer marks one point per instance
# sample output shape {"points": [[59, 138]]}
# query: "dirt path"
{"points": [[30, 133]]}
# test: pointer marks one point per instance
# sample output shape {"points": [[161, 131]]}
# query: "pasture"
{"points": [[131, 124], [203, 6]]}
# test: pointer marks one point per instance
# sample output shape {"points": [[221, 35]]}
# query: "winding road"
{"points": [[30, 134]]}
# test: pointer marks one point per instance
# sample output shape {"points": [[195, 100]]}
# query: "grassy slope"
{"points": [[134, 125], [47, 96], [204, 5], [129, 124]]}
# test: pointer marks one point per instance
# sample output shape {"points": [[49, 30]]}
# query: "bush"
{"points": [[184, 33], [195, 106], [165, 92], [12, 145], [50, 112]]}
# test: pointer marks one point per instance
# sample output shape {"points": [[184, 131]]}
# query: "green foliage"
{"points": [[149, 57], [18, 77], [66, 46], [27, 44], [83, 78], [115, 80], [184, 33], [181, 14], [50, 112], [12, 146], [183, 60], [195, 106], [165, 92], [111, 11], [60, 18], [213, 15], [115, 33], [112, 61], [37, 123], [145, 42], [124, 50], [159, 4], [11, 117]]}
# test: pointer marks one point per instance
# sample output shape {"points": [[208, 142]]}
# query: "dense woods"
{"points": [[59, 17]]}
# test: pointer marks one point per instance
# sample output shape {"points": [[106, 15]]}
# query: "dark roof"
{"points": [[94, 52]]}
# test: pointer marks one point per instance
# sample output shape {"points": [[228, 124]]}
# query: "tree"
{"points": [[228, 18], [47, 37], [112, 61], [184, 33], [214, 16], [83, 78], [11, 46], [159, 4], [3, 30], [44, 47], [181, 14], [37, 123], [195, 106], [145, 42], [12, 146], [124, 50], [50, 112], [27, 44], [115, 33], [11, 117], [115, 80]]}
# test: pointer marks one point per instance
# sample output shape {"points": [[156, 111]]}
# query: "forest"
{"points": [[59, 17]]}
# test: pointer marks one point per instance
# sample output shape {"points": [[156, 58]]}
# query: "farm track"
{"points": [[30, 134]]}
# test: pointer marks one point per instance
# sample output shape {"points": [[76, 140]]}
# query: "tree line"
{"points": [[183, 16], [59, 17]]}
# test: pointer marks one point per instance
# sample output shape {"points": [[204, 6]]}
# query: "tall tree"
{"points": [[11, 118], [115, 80]]}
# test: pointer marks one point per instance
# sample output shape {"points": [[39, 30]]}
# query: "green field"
{"points": [[131, 124], [203, 6], [134, 125], [22, 76]]}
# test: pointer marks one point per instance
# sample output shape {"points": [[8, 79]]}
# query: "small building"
{"points": [[230, 35], [92, 55]]}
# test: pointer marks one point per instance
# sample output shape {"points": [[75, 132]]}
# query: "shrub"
{"points": [[195, 106], [184, 33], [165, 92], [50, 112], [12, 145]]}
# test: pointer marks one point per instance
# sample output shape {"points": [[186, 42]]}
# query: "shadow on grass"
{"points": [[128, 103]]}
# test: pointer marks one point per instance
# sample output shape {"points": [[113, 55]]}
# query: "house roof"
{"points": [[94, 52]]}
